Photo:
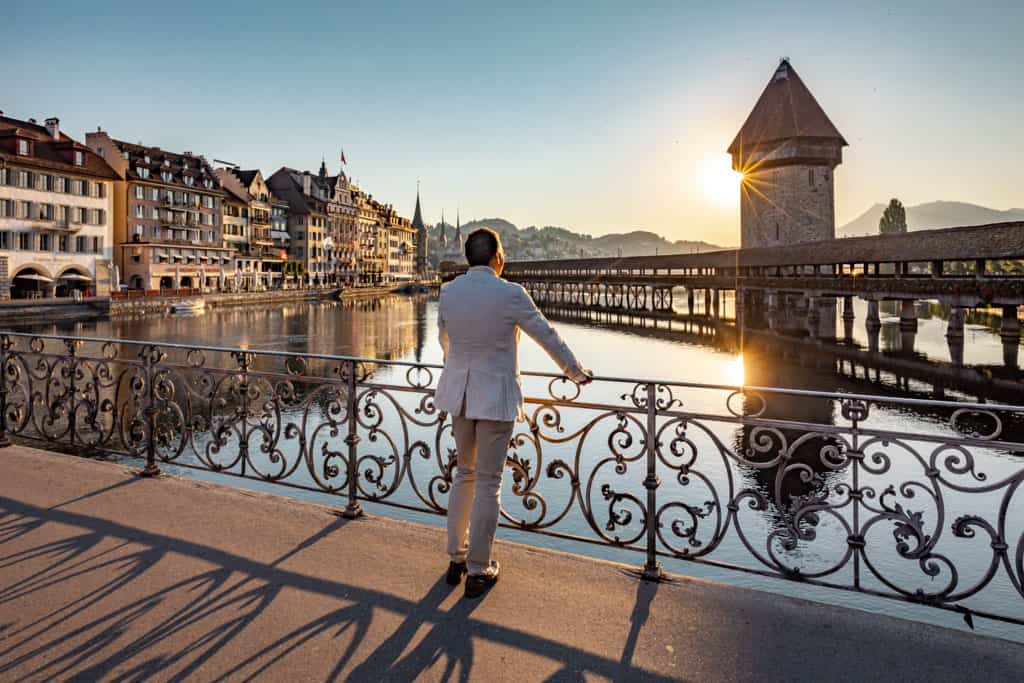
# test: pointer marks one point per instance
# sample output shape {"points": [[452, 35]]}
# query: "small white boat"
{"points": [[191, 306]]}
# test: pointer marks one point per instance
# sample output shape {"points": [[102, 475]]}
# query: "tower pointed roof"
{"points": [[417, 216], [785, 110], [458, 227], [442, 238]]}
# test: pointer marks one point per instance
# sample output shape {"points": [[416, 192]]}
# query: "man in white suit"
{"points": [[479, 318]]}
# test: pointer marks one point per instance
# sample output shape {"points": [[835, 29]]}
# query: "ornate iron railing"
{"points": [[823, 488]]}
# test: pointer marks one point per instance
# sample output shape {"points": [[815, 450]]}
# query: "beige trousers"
{"points": [[474, 504]]}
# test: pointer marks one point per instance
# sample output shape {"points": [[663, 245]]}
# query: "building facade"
{"points": [[787, 151], [167, 217], [307, 223], [56, 213]]}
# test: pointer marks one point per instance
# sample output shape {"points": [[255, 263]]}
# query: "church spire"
{"points": [[458, 228], [323, 167], [442, 238]]}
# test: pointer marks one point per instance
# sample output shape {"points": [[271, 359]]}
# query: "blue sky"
{"points": [[602, 117]]}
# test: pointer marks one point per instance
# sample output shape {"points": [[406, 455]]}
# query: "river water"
{"points": [[403, 328]]}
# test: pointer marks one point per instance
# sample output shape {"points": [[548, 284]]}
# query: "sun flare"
{"points": [[721, 183], [733, 372]]}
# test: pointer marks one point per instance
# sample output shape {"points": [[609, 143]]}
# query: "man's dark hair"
{"points": [[481, 246]]}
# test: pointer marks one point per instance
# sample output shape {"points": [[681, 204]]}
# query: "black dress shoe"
{"points": [[478, 584], [455, 572]]}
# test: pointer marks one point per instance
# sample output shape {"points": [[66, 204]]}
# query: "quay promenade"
{"points": [[107, 575]]}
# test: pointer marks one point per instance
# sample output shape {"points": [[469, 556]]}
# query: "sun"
{"points": [[721, 183]]}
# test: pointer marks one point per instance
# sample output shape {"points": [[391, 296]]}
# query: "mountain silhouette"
{"points": [[932, 215]]}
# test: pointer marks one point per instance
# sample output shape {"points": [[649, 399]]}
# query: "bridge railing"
{"points": [[903, 498]]}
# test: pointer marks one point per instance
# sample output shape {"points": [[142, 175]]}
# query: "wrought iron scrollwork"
{"points": [[717, 475]]}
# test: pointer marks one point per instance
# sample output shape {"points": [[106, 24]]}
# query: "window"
{"points": [[63, 243], [62, 213], [42, 181], [25, 241], [154, 213], [96, 190], [22, 179], [5, 208], [45, 243], [154, 194], [23, 148], [810, 177], [21, 209], [97, 244], [60, 184], [139, 211], [79, 158], [80, 244], [5, 239], [140, 193], [189, 180]]}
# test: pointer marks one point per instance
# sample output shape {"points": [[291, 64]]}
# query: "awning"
{"points": [[33, 276], [75, 276]]}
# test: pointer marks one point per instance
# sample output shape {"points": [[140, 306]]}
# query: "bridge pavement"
{"points": [[104, 575]]}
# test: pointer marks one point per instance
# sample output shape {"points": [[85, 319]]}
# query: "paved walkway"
{"points": [[107, 576]]}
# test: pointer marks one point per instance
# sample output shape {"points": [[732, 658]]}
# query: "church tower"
{"points": [[443, 238], [787, 151], [458, 232], [422, 252]]}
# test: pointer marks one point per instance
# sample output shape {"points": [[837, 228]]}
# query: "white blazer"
{"points": [[479, 318]]}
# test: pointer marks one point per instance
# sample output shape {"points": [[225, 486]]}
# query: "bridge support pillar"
{"points": [[1009, 332], [716, 303], [774, 310], [848, 318], [813, 318], [689, 301], [873, 325], [707, 302], [955, 335], [908, 316]]}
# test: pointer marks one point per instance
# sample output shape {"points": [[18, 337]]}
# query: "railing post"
{"points": [[5, 346], [151, 469], [353, 509], [72, 347], [652, 568]]}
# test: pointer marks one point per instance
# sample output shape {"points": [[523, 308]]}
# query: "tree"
{"points": [[894, 218]]}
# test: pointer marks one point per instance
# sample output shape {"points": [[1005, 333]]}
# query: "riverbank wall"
{"points": [[48, 310]]}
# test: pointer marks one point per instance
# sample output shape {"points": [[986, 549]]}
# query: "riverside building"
{"points": [[307, 223], [56, 209], [167, 217]]}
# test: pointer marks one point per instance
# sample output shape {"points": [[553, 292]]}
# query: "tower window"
{"points": [[810, 177], [776, 231]]}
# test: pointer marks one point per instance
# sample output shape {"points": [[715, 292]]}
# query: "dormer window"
{"points": [[189, 180], [79, 158], [167, 162], [23, 148], [146, 158]]}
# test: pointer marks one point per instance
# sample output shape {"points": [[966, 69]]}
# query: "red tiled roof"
{"points": [[50, 154], [785, 110]]}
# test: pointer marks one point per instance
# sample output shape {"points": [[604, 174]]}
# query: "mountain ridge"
{"points": [[552, 242], [932, 216]]}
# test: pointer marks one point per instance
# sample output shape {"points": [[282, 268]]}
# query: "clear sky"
{"points": [[601, 117]]}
